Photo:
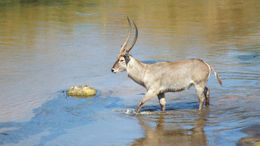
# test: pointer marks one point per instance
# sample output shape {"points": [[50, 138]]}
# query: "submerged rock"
{"points": [[249, 141], [81, 91]]}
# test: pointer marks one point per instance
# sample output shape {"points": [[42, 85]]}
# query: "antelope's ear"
{"points": [[127, 58]]}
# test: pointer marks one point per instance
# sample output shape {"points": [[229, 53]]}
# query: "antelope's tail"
{"points": [[216, 74]]}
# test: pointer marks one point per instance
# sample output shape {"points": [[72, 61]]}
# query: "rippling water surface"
{"points": [[46, 46]]}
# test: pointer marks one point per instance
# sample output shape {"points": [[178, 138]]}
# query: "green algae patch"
{"points": [[81, 91]]}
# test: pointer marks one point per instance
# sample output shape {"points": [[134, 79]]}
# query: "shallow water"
{"points": [[47, 46]]}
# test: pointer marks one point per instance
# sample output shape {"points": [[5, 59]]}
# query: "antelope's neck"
{"points": [[136, 70]]}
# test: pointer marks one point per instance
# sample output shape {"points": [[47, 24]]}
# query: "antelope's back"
{"points": [[178, 75]]}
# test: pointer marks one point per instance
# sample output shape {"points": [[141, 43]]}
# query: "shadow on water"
{"points": [[55, 117]]}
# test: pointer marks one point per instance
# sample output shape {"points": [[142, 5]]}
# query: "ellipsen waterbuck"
{"points": [[162, 77]]}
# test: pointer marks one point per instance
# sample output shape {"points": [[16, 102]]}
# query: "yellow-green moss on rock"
{"points": [[81, 91]]}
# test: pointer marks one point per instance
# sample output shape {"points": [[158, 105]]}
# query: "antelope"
{"points": [[162, 77]]}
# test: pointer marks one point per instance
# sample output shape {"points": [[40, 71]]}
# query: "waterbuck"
{"points": [[162, 77]]}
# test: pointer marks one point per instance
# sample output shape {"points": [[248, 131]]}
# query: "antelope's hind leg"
{"points": [[200, 93], [207, 95], [162, 101]]}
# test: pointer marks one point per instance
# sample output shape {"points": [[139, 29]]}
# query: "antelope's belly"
{"points": [[175, 86]]}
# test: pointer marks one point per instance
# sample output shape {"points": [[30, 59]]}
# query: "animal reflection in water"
{"points": [[173, 131]]}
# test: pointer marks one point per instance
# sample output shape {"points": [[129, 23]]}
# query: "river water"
{"points": [[47, 46]]}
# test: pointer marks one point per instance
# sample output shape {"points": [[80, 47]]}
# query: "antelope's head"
{"points": [[123, 56]]}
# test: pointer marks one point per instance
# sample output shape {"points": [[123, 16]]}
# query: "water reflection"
{"points": [[49, 45], [178, 128]]}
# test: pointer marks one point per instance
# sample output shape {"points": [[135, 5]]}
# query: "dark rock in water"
{"points": [[254, 136], [249, 141], [81, 91]]}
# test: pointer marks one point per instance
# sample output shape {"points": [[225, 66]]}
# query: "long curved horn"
{"points": [[122, 50], [134, 41]]}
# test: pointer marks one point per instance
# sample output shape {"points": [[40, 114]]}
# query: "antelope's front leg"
{"points": [[149, 95]]}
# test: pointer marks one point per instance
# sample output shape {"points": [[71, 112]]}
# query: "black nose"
{"points": [[112, 69]]}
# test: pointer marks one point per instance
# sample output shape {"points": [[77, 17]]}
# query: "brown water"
{"points": [[46, 46]]}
